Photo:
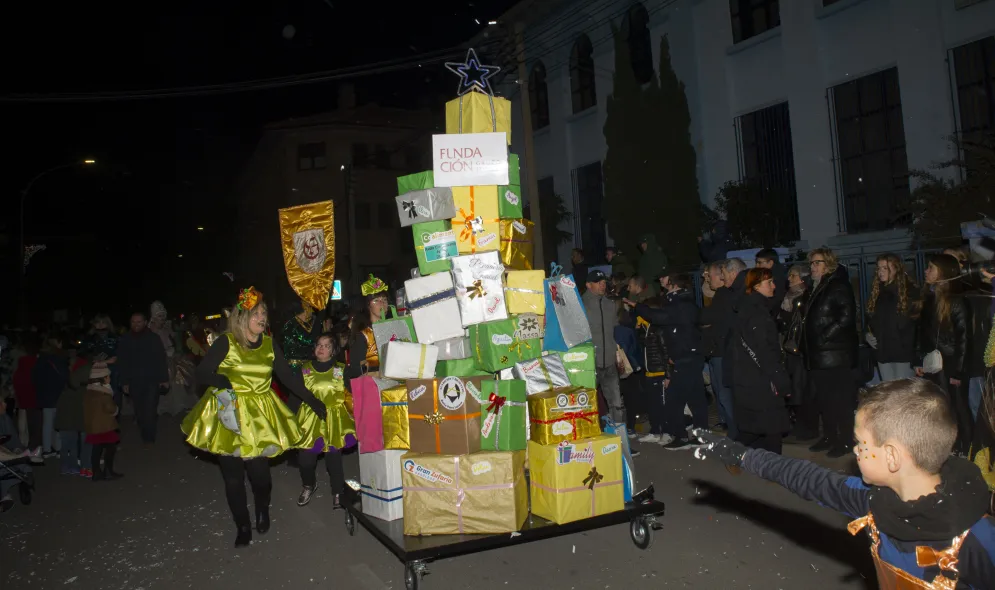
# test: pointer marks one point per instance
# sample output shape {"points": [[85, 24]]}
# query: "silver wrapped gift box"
{"points": [[542, 374], [430, 204], [454, 349]]}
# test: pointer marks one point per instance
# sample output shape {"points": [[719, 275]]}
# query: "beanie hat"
{"points": [[99, 372]]}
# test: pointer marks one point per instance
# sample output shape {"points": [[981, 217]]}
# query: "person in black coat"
{"points": [[943, 326], [768, 258], [829, 347], [760, 382], [891, 311]]}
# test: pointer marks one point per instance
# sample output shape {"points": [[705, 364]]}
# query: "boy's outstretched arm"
{"points": [[810, 481]]}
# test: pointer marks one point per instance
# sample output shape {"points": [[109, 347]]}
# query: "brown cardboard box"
{"points": [[444, 415]]}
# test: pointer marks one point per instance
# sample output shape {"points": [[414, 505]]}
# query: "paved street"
{"points": [[166, 525]]}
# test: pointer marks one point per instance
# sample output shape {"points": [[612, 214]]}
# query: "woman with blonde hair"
{"points": [[240, 418], [942, 340], [891, 309]]}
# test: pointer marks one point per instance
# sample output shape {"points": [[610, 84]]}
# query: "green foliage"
{"points": [[753, 221], [650, 176], [940, 205]]}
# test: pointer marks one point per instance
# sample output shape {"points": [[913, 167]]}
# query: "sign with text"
{"points": [[470, 159]]}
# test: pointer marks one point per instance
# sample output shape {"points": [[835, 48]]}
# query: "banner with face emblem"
{"points": [[307, 237]]}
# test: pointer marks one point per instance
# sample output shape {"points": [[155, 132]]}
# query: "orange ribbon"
{"points": [[437, 418]]}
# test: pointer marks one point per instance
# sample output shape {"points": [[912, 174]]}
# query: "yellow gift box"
{"points": [[394, 406], [516, 243], [479, 493], [523, 292], [575, 480], [563, 414], [471, 113], [476, 225]]}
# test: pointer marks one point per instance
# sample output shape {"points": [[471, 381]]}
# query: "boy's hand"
{"points": [[722, 448]]}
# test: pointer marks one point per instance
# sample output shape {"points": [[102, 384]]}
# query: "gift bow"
{"points": [[516, 346], [435, 419], [476, 290], [593, 478], [555, 295], [497, 401], [409, 206]]}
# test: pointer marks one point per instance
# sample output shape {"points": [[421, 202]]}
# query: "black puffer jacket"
{"points": [[760, 383], [829, 333], [679, 320], [895, 331], [654, 347], [950, 337]]}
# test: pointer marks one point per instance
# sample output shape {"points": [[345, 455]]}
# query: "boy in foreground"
{"points": [[923, 508]]}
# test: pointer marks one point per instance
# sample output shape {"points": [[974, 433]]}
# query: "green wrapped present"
{"points": [[435, 244], [419, 181], [458, 368], [510, 196], [503, 415], [579, 363], [502, 343]]}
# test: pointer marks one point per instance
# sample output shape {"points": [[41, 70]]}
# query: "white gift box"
{"points": [[433, 307], [380, 478], [479, 289], [409, 360]]}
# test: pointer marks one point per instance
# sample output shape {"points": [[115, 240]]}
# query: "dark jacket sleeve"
{"points": [[960, 321], [159, 359], [711, 315], [207, 371], [357, 354], [668, 315], [286, 375], [809, 481], [844, 310]]}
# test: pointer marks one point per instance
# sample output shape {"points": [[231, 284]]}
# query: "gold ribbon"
{"points": [[476, 290], [516, 346], [421, 361]]}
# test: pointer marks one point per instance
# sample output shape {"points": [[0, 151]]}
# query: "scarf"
{"points": [[959, 501], [102, 387], [793, 293]]}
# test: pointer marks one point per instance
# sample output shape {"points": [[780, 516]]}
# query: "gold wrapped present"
{"points": [[476, 224], [563, 414], [476, 112], [523, 291], [394, 405], [484, 492], [575, 480], [516, 243]]}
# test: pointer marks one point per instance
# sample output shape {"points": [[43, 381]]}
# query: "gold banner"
{"points": [[307, 237]]}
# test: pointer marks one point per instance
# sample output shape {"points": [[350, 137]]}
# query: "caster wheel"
{"points": [[641, 533], [350, 523], [412, 579]]}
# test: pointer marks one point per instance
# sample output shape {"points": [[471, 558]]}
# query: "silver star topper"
{"points": [[473, 74]]}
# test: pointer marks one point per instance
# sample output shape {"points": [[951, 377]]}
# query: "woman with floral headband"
{"points": [[240, 419], [363, 354]]}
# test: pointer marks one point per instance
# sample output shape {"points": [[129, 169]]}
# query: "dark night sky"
{"points": [[167, 165]]}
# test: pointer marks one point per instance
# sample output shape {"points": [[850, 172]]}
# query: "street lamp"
{"points": [[24, 194]]}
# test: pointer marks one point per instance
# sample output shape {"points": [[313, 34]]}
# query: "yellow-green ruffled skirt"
{"points": [[334, 430], [267, 426]]}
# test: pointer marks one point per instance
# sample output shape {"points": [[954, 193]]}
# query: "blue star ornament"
{"points": [[473, 74]]}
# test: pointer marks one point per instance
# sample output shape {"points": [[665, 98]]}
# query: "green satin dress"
{"points": [[266, 426], [329, 388]]}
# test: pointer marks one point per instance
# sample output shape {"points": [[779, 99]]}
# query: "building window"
{"points": [[590, 195], [381, 157], [582, 86], [387, 215], [974, 67], [311, 156], [637, 34], [870, 140], [360, 155], [539, 96], [752, 17], [363, 216], [768, 163]]}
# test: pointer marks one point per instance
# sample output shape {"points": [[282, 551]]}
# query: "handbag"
{"points": [[932, 363], [622, 360], [793, 334]]}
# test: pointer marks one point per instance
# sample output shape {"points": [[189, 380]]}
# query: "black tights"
{"points": [[107, 450], [333, 464], [234, 470]]}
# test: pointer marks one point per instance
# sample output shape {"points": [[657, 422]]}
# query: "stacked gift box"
{"points": [[491, 370]]}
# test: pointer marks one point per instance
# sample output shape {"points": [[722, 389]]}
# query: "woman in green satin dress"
{"points": [[337, 431], [240, 418]]}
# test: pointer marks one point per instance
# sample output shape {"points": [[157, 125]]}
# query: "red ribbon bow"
{"points": [[497, 401]]}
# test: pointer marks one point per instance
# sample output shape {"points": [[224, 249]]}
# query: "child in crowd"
{"points": [[924, 509], [100, 422]]}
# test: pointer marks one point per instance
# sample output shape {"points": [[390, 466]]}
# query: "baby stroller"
{"points": [[15, 470]]}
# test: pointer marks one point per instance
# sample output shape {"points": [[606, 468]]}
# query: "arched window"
{"points": [[582, 75], [637, 35], [539, 96]]}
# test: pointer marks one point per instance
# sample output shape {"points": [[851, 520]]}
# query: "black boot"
{"points": [[109, 454], [262, 520], [244, 536]]}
